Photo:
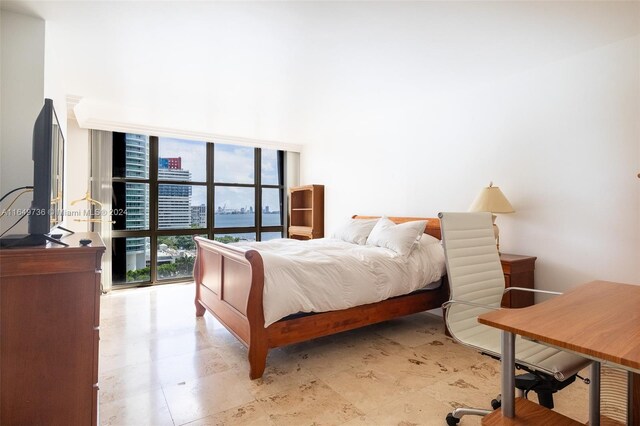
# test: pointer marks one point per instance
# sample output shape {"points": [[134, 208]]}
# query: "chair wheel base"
{"points": [[452, 421], [495, 404]]}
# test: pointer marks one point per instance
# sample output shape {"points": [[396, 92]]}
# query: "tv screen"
{"points": [[48, 172]]}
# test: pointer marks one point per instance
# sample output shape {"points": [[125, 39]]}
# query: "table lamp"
{"points": [[492, 200]]}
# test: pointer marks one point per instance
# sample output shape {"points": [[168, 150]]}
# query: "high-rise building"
{"points": [[174, 201], [137, 198], [199, 215], [170, 163]]}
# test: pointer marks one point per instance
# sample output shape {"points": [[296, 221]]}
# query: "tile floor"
{"points": [[160, 365]]}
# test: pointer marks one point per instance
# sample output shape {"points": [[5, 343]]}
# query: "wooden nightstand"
{"points": [[518, 272]]}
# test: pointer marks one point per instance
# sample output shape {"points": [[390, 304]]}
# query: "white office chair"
{"points": [[476, 283]]}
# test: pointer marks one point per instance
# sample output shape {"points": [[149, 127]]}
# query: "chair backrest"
{"points": [[473, 268]]}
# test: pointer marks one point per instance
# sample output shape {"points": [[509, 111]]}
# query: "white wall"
{"points": [[207, 67], [22, 95], [414, 108]]}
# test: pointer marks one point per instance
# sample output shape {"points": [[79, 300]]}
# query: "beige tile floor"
{"points": [[160, 365]]}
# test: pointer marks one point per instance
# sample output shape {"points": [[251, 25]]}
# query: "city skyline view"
{"points": [[182, 205], [232, 164]]}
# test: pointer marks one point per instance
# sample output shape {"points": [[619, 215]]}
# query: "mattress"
{"points": [[328, 274]]}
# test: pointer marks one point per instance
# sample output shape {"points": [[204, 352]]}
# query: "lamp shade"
{"points": [[491, 199]]}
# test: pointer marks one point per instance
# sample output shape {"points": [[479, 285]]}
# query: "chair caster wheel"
{"points": [[452, 421], [495, 404]]}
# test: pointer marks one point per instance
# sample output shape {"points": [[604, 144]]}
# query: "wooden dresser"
{"points": [[49, 318]]}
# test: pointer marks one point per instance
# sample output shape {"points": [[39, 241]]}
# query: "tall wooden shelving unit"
{"points": [[306, 212]]}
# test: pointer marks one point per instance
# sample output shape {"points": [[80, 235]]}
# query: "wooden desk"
{"points": [[599, 320]]}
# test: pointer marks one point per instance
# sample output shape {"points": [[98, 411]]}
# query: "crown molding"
{"points": [[95, 116], [72, 101], [115, 126]]}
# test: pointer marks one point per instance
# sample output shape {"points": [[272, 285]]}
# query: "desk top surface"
{"points": [[600, 319]]}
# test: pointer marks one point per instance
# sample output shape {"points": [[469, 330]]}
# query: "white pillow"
{"points": [[427, 240], [399, 238], [355, 231]]}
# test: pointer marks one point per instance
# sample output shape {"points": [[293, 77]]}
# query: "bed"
{"points": [[230, 284]]}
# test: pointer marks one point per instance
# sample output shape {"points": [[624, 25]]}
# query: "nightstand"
{"points": [[518, 272]]}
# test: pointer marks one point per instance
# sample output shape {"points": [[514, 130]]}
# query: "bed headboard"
{"points": [[433, 223]]}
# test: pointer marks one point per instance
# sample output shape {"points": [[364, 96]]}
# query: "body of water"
{"points": [[246, 219]]}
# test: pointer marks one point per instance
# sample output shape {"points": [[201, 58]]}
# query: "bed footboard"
{"points": [[229, 284]]}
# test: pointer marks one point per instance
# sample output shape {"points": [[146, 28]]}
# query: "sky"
{"points": [[232, 164]]}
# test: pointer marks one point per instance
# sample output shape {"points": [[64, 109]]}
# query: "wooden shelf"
{"points": [[306, 212], [529, 413], [300, 229]]}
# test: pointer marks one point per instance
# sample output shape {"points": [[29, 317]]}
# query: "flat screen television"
{"points": [[48, 172], [46, 211]]}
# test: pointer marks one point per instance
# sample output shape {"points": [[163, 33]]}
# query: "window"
{"points": [[249, 191], [174, 189]]}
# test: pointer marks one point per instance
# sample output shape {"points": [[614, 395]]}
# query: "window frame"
{"points": [[210, 231]]}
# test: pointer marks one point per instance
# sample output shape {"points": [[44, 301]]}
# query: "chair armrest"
{"points": [[451, 302], [531, 290], [464, 302]]}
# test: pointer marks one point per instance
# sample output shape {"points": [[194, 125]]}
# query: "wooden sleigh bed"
{"points": [[229, 284]]}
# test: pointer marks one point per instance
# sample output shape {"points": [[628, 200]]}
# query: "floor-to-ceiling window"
{"points": [[174, 189]]}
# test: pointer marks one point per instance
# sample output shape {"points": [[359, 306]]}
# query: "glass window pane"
{"points": [[270, 167], [130, 156], [266, 236], [233, 164], [271, 207], [176, 255], [132, 199], [234, 207], [180, 205], [130, 260], [234, 238], [199, 207], [180, 159]]}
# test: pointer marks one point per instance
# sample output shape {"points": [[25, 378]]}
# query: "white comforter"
{"points": [[328, 274]]}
